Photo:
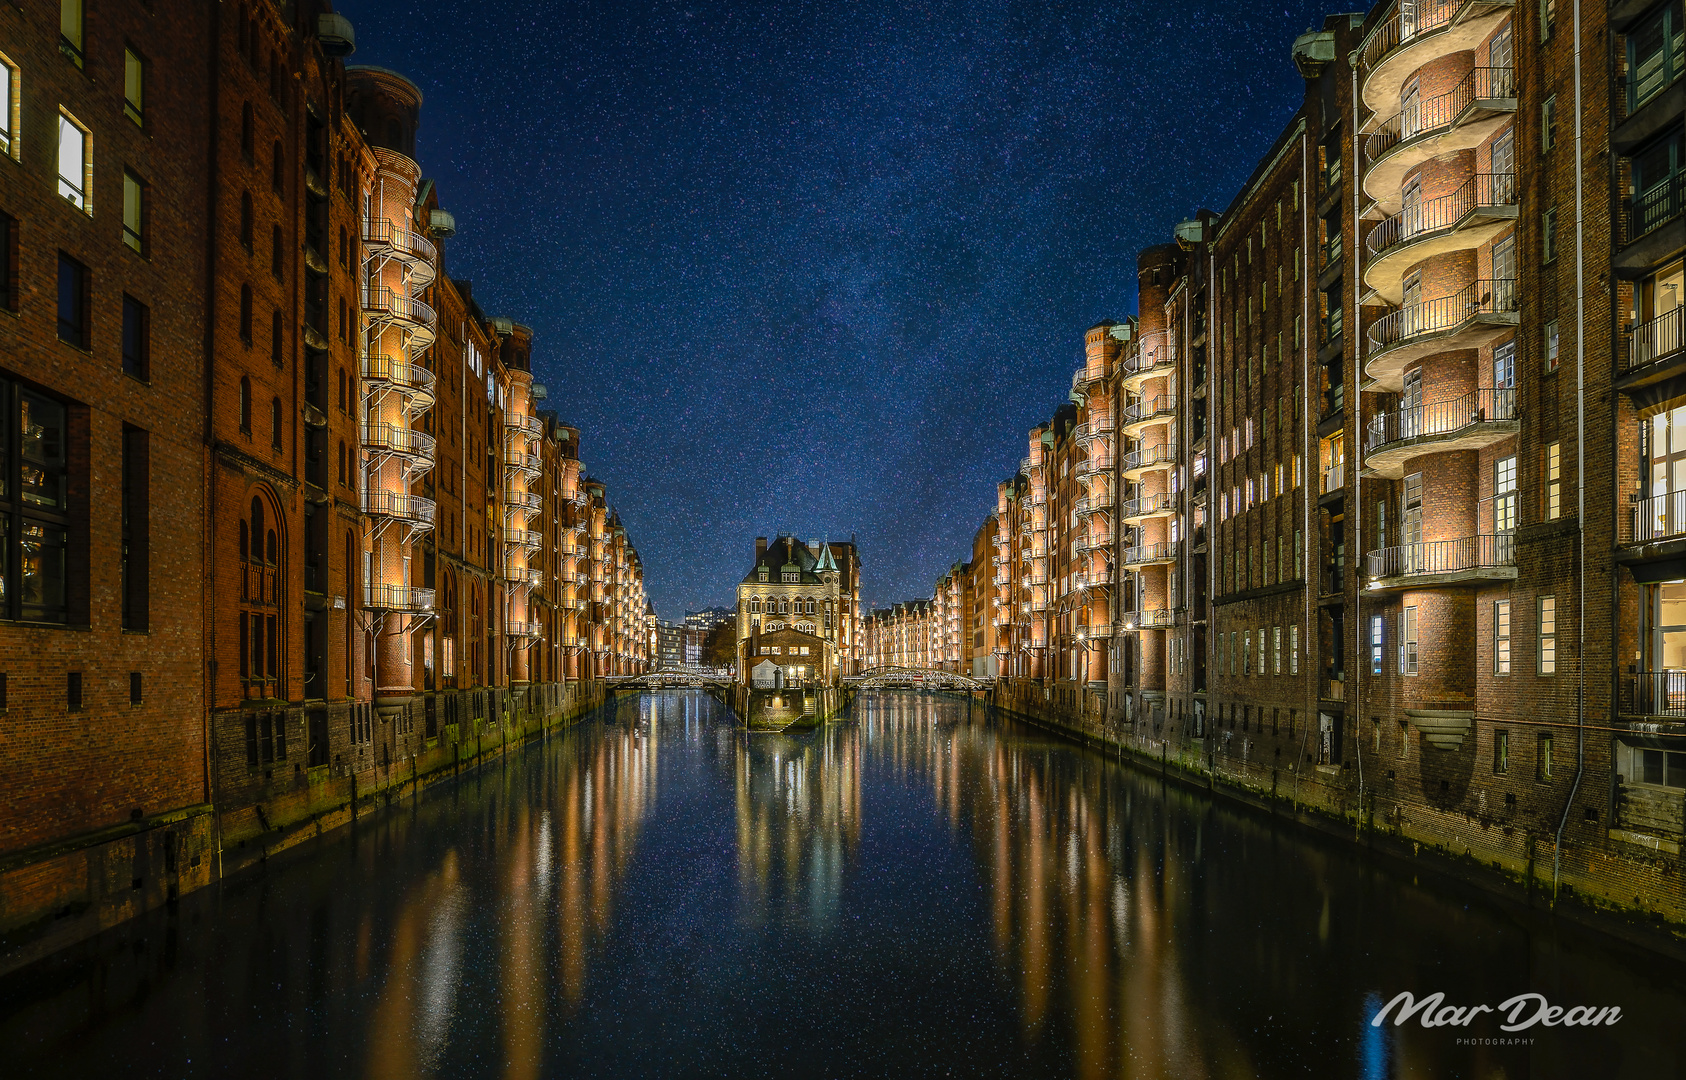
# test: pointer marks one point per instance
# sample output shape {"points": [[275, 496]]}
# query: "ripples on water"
{"points": [[919, 890]]}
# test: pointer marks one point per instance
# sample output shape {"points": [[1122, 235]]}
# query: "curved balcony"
{"points": [[1085, 377], [1144, 414], [415, 251], [528, 539], [401, 598], [1096, 427], [1150, 554], [1417, 33], [413, 509], [407, 443], [387, 307], [519, 461], [522, 630], [1094, 539], [1156, 358], [1435, 563], [1027, 463], [1153, 619], [1476, 419], [1139, 463], [522, 576], [1163, 504], [1093, 579], [530, 501], [523, 424], [1468, 319], [1460, 119], [389, 373], [1481, 208]]}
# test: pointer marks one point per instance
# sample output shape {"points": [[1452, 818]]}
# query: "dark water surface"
{"points": [[916, 891]]}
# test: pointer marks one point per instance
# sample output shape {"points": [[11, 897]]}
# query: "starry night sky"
{"points": [[819, 267]]}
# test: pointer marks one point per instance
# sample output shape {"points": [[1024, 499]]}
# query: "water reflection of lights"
{"points": [[798, 818]]}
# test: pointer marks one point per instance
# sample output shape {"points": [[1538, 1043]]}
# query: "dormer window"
{"points": [[763, 574], [792, 577]]}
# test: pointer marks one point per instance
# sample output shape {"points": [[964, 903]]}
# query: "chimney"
{"points": [[760, 548]]}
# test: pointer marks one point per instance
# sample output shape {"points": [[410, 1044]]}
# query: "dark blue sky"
{"points": [[819, 267]]}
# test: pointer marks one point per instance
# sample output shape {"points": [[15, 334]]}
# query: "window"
{"points": [[73, 302], [135, 523], [134, 87], [1276, 649], [1655, 56], [134, 688], [278, 168], [1664, 768], [71, 29], [1408, 642], [1550, 333], [73, 691], [1376, 641], [1553, 481], [1543, 759], [1548, 17], [1548, 123], [134, 211], [1501, 752], [34, 506], [1547, 634], [1501, 637], [75, 163], [9, 87], [1293, 655], [1548, 235], [137, 341], [1504, 494]]}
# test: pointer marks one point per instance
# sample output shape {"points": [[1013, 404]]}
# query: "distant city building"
{"points": [[670, 644]]}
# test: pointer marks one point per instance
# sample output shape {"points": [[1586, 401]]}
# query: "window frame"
{"points": [[135, 234], [81, 197], [1501, 637], [134, 96], [1545, 640]]}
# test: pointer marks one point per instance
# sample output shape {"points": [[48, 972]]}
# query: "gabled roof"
{"points": [[788, 553]]}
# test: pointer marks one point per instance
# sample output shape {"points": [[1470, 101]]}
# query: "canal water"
{"points": [[919, 890]]}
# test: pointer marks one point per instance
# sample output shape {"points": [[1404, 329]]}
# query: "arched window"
{"points": [[275, 423], [246, 220], [277, 252], [246, 314], [784, 607], [245, 404], [277, 349], [755, 604]]}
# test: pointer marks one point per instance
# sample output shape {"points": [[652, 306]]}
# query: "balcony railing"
{"points": [[521, 629], [1149, 504], [1654, 693], [1410, 21], [527, 538], [521, 575], [1152, 619], [383, 234], [405, 309], [523, 423], [1163, 405], [1482, 189], [1652, 208], [406, 376], [1148, 553], [378, 597], [1656, 517], [1437, 113], [1650, 341], [1334, 477], [1484, 296], [1149, 458], [390, 504], [521, 461], [399, 440], [1478, 406], [1330, 251], [1444, 556], [1333, 686]]}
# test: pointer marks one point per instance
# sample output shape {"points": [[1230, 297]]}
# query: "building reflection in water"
{"points": [[798, 811]]}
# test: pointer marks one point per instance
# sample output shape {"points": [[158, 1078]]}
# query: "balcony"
{"points": [[1155, 359], [528, 539], [1651, 224], [1163, 504], [1028, 463], [1096, 427], [1437, 563], [1461, 119], [1334, 479], [523, 424], [1479, 418], [1138, 463], [1098, 536], [1152, 619], [1653, 518], [1654, 693], [1092, 505], [1150, 554], [523, 576], [400, 598], [530, 501], [523, 630], [407, 443], [388, 308], [415, 251], [1653, 349], [390, 505], [519, 461], [1468, 319], [1143, 414], [1093, 579], [1416, 33], [1467, 218], [412, 380]]}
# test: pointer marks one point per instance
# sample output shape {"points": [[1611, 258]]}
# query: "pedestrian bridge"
{"points": [[671, 676], [897, 676]]}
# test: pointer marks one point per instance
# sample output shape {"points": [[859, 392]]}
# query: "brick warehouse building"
{"points": [[269, 455], [1382, 474]]}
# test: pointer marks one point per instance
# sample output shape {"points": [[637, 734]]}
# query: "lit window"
{"points": [[1501, 752], [1554, 481], [8, 107], [134, 87], [1501, 637], [1376, 641], [70, 30], [134, 211], [1547, 635], [1408, 642], [75, 162]]}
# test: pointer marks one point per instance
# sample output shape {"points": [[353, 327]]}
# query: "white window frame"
{"points": [[1408, 657], [1501, 637], [11, 111], [1545, 609], [80, 193]]}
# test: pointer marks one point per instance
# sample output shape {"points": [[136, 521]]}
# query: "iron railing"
{"points": [[1150, 458], [1432, 215], [527, 538], [381, 233], [1483, 296], [1149, 504], [1147, 553], [399, 440], [407, 309], [1412, 19], [380, 597], [1475, 407], [403, 507], [1437, 113], [386, 369], [1444, 556], [1655, 517], [1650, 341], [1148, 409], [1334, 477], [1652, 208], [1654, 693]]}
